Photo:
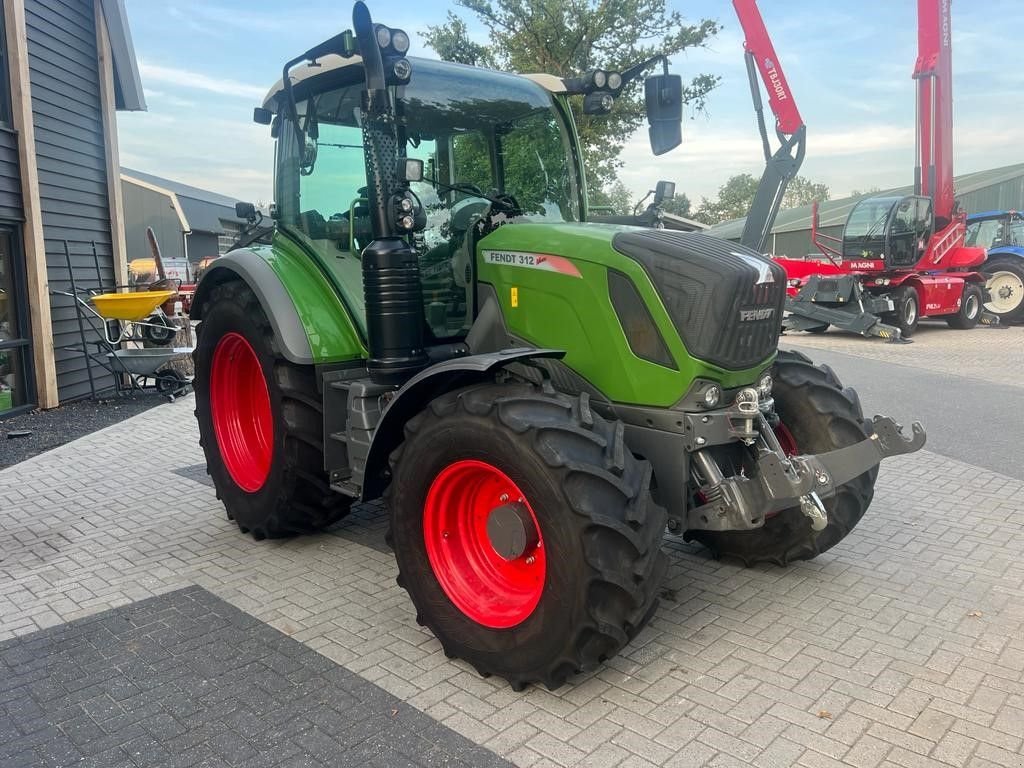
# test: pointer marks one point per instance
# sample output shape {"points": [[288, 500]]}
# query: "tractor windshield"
{"points": [[477, 131]]}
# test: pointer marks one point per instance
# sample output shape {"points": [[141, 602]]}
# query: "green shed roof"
{"points": [[833, 213]]}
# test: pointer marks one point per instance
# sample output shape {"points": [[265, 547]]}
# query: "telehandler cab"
{"points": [[537, 398]]}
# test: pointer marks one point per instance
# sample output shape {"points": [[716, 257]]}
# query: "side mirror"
{"points": [[664, 190], [262, 116], [245, 211], [663, 95]]}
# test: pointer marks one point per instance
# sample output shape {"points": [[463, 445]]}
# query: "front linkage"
{"points": [[743, 502]]}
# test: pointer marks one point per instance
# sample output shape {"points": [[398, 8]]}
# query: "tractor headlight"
{"points": [[383, 36], [713, 396], [764, 386], [600, 79], [399, 41], [614, 80]]}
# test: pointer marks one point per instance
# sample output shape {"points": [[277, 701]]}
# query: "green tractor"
{"points": [[536, 398]]}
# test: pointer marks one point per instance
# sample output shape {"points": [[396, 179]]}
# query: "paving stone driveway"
{"points": [[902, 646], [186, 679]]}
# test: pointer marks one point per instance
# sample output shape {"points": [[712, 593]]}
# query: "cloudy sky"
{"points": [[206, 63]]}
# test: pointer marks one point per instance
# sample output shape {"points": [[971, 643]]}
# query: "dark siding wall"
{"points": [[10, 179], [66, 107], [202, 245], [145, 208]]}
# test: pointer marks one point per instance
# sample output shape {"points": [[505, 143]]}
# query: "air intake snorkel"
{"points": [[391, 272]]}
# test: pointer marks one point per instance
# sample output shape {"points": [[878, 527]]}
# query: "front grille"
{"points": [[725, 300]]}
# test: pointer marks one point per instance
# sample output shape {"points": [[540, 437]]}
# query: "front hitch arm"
{"points": [[835, 468], [741, 503]]}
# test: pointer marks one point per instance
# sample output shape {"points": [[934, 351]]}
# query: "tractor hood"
{"points": [[724, 301]]}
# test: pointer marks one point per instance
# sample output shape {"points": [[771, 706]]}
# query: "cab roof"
{"points": [[333, 63]]}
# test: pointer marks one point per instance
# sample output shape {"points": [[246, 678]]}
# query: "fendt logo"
{"points": [[752, 315], [775, 79]]}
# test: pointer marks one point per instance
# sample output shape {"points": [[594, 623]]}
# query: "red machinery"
{"points": [[900, 258], [782, 166]]}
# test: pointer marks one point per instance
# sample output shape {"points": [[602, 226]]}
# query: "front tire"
{"points": [[908, 311], [970, 309], [816, 415], [260, 422], [584, 576]]}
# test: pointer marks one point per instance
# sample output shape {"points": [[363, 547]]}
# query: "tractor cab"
{"points": [[996, 229], [485, 139], [893, 229]]}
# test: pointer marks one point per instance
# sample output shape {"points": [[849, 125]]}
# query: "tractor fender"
{"points": [[420, 390], [1004, 253], [273, 297]]}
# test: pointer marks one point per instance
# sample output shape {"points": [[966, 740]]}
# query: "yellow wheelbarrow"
{"points": [[134, 307], [139, 314]]}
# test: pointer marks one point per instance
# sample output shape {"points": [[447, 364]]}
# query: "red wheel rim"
{"points": [[786, 440], [488, 588], [240, 407]]}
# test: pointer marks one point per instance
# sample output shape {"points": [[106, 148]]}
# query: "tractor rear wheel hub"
{"points": [[511, 530]]}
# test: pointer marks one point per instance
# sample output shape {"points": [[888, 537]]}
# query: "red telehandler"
{"points": [[900, 258]]}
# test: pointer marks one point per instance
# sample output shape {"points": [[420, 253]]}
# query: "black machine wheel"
{"points": [[260, 422], [908, 310], [970, 309], [158, 330], [1006, 284], [816, 415], [168, 381], [580, 576]]}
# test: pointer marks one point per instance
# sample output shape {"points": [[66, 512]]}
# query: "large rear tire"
{"points": [[1006, 286], [260, 422], [583, 579], [816, 415]]}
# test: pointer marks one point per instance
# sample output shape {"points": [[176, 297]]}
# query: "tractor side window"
{"points": [[332, 202], [1015, 235], [984, 233], [445, 244], [471, 161], [534, 156]]}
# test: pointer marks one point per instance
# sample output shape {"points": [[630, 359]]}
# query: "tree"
{"points": [[866, 193], [570, 37], [803, 191], [615, 196], [679, 206], [734, 199], [737, 194]]}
